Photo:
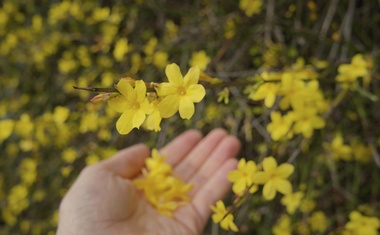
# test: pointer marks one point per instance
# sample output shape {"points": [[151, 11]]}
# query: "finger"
{"points": [[228, 148], [192, 162], [178, 148], [215, 189], [128, 162]]}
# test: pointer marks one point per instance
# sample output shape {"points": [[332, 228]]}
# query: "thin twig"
{"points": [[96, 89]]}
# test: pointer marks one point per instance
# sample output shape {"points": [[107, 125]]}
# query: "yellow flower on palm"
{"points": [[222, 216], [180, 93], [274, 178], [132, 103]]}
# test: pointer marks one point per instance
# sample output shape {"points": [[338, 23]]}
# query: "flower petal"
{"points": [[140, 89], [196, 92], [269, 191], [125, 88], [186, 107], [269, 163], [174, 74], [119, 104], [192, 76], [168, 106], [260, 178], [285, 170], [138, 118], [166, 88], [234, 175], [124, 124], [283, 186]]}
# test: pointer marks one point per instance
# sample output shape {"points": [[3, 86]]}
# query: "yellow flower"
{"points": [[274, 178], [280, 125], [222, 216], [121, 48], [306, 120], [339, 150], [242, 177], [360, 224], [318, 222], [199, 59], [351, 72], [161, 188], [307, 205], [293, 91], [132, 103], [6, 127], [156, 164], [283, 226], [267, 91], [180, 93], [250, 7], [292, 201], [160, 59]]}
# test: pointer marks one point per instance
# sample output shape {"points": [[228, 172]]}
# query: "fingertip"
{"points": [[218, 131], [127, 162]]}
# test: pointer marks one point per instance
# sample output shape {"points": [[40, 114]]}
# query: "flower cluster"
{"points": [[299, 98], [179, 94], [163, 190], [360, 224], [359, 67], [246, 179]]}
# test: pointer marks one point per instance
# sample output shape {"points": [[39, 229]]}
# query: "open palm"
{"points": [[103, 200]]}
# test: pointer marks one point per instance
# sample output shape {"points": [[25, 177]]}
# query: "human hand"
{"points": [[103, 200]]}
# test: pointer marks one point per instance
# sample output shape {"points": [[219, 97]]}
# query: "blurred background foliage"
{"points": [[49, 131]]}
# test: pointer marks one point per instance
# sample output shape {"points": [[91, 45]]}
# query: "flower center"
{"points": [[136, 105], [181, 90]]}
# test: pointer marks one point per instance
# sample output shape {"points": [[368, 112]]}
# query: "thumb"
{"points": [[122, 198]]}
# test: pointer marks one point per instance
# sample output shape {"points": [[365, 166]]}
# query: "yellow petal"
{"points": [[168, 106], [275, 116], [166, 88], [269, 163], [269, 191], [285, 170], [260, 178], [192, 76], [196, 92], [125, 88], [119, 104], [174, 74], [186, 108], [124, 124], [6, 127], [233, 226], [140, 89], [241, 163], [283, 186], [138, 118], [269, 100], [234, 175]]}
